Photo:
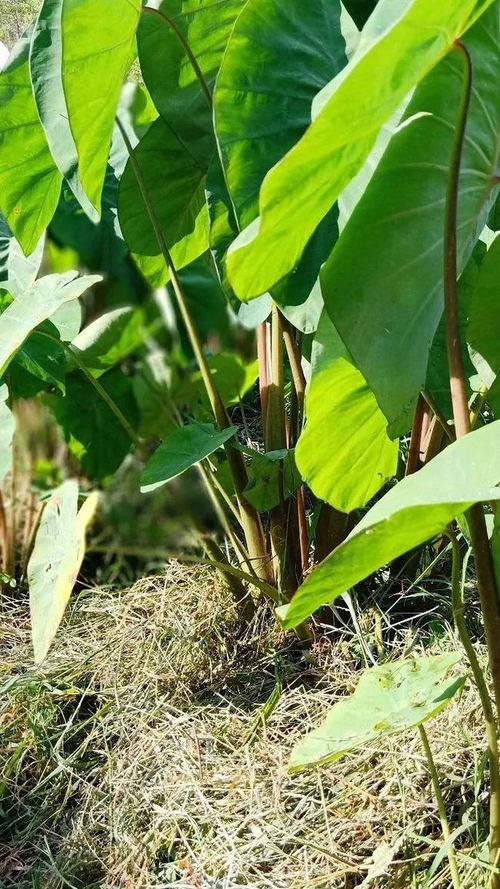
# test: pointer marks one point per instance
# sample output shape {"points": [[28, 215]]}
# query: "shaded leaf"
{"points": [[183, 448], [173, 188], [278, 57], [168, 72], [271, 475], [483, 331], [93, 433]]}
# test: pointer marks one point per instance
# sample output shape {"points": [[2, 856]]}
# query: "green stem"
{"points": [[276, 440], [96, 385], [445, 826], [187, 49], [250, 519], [479, 678], [475, 516]]}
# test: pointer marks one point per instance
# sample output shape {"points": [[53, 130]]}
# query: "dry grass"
{"points": [[141, 758]]}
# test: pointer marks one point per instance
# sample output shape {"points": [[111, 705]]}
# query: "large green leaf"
{"points": [[400, 44], [30, 182], [35, 305], [184, 447], [94, 434], [168, 72], [383, 284], [344, 453], [80, 54], [7, 430], [172, 191], [55, 561], [388, 699], [414, 510], [278, 57], [17, 271], [46, 69]]}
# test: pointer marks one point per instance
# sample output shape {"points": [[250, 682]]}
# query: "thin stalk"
{"points": [[299, 380], [264, 373], [480, 544], [453, 339], [445, 826], [96, 385], [299, 385], [250, 519], [450, 435], [481, 684], [187, 49], [413, 461], [241, 596], [276, 440], [208, 480]]}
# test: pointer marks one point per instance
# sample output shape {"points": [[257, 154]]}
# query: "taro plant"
{"points": [[292, 218]]}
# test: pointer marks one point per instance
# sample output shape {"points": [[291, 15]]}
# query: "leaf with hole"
{"points": [[388, 699]]}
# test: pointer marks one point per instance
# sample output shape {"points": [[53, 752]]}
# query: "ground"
{"points": [[150, 752]]}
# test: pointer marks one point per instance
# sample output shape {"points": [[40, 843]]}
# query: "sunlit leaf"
{"points": [[383, 284], [80, 54], [7, 430], [344, 453], [110, 338], [413, 511], [17, 271], [35, 305], [30, 182], [55, 561], [298, 192]]}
